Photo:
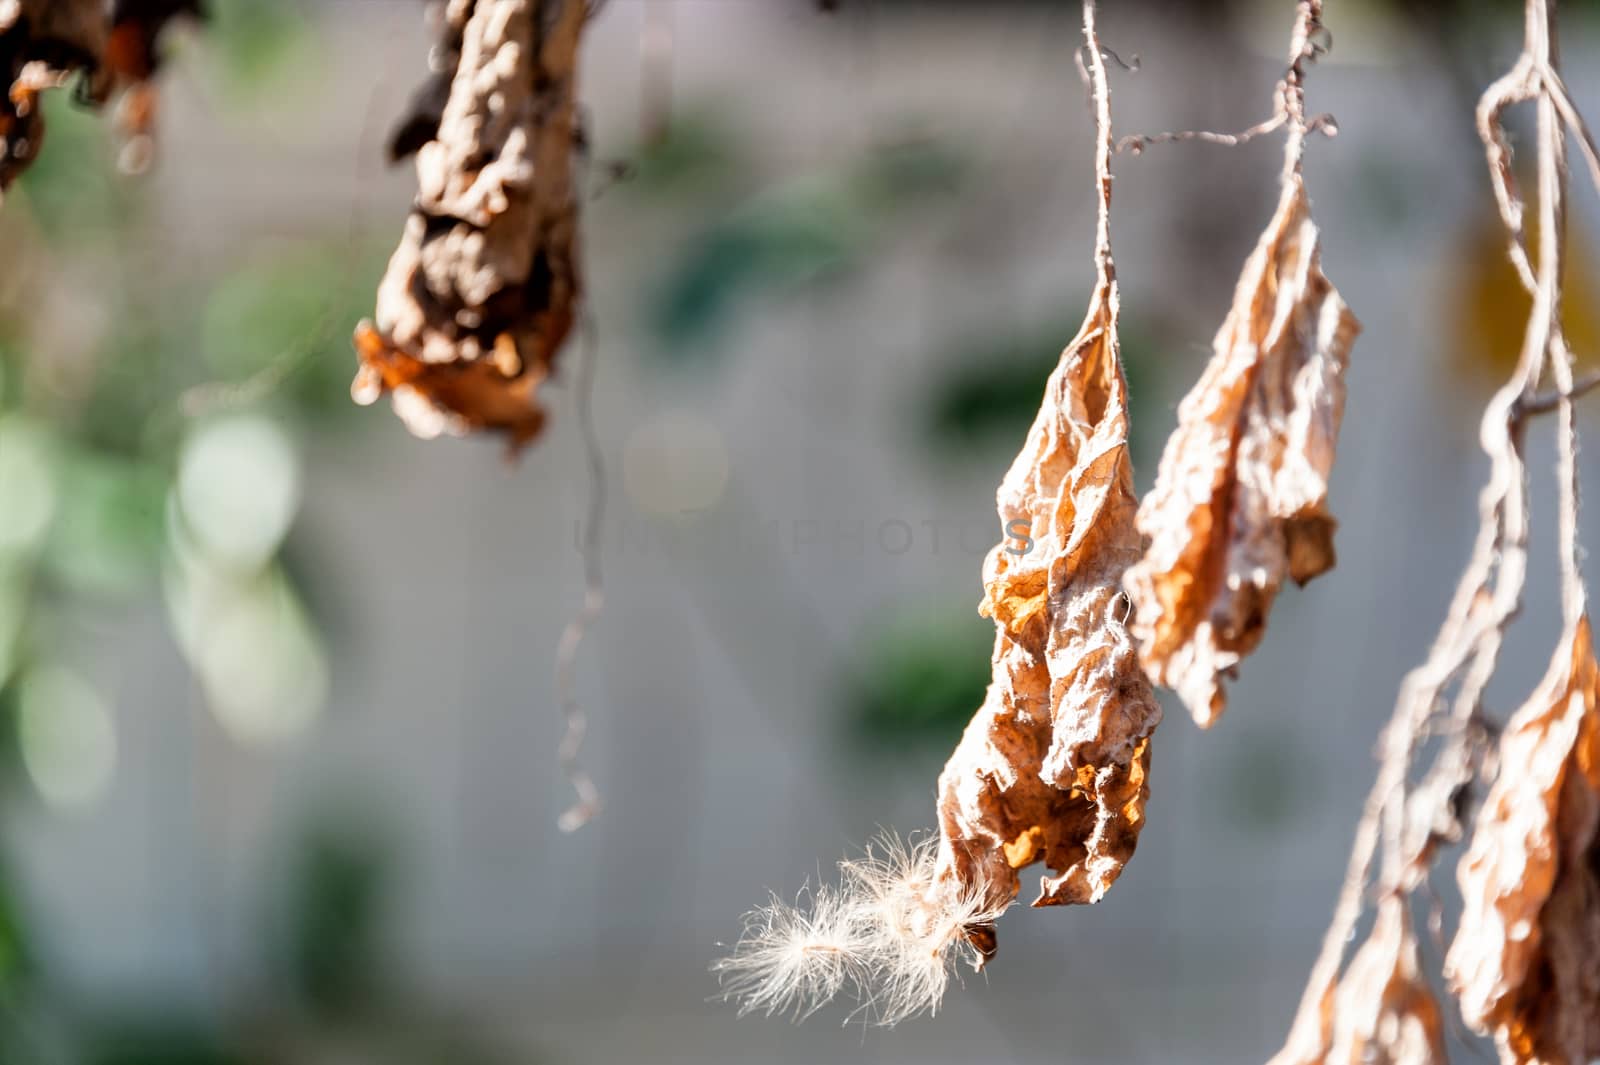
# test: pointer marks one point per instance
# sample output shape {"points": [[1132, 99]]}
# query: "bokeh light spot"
{"points": [[239, 488], [675, 463], [67, 738]]}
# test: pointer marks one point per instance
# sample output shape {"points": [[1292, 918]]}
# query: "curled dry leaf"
{"points": [[1240, 500], [112, 45], [1382, 1012], [1053, 768], [484, 287], [1525, 962]]}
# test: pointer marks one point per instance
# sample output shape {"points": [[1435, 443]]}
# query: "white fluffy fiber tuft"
{"points": [[890, 933]]}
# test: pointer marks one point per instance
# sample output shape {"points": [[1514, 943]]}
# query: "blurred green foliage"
{"points": [[72, 191], [334, 907], [921, 674], [153, 1041], [95, 441], [916, 679], [109, 526], [16, 954], [987, 399], [697, 155], [257, 43], [101, 468], [148, 443], [1270, 780], [297, 302], [808, 229]]}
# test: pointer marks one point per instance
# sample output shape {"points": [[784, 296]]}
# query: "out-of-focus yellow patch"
{"points": [[1490, 307]]}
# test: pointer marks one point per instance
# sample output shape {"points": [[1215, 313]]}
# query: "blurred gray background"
{"points": [[281, 778]]}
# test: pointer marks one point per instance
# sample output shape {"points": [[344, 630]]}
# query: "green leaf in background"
{"points": [[334, 912], [989, 396], [30, 455], [918, 678], [258, 42], [697, 154], [14, 618], [1269, 781], [133, 410], [288, 315], [16, 954], [805, 230], [157, 1042], [73, 190], [903, 172], [793, 236], [66, 735], [109, 526], [431, 1042], [12, 773], [10, 369]]}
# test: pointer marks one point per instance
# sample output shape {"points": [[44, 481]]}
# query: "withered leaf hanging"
{"points": [[484, 287], [1240, 499], [1525, 962], [110, 46], [1053, 767], [1382, 1011]]}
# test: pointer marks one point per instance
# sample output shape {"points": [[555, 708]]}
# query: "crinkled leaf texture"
{"points": [[1382, 1012], [44, 43], [1053, 768], [1525, 962], [483, 289], [1240, 500]]}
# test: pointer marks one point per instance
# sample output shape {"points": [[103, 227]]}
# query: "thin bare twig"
{"points": [[1131, 64], [1545, 402], [1138, 142], [1135, 143], [1303, 49], [1552, 249], [1535, 78], [1308, 41], [1101, 91], [1489, 594]]}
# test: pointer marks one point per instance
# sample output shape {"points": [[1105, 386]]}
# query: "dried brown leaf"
{"points": [[45, 43], [1525, 962], [484, 287], [1382, 1012], [1053, 768], [42, 44], [1385, 1012], [1240, 500]]}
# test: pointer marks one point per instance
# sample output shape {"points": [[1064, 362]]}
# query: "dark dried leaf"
{"points": [[1525, 962], [1240, 499], [484, 288], [113, 46], [1382, 1011], [1053, 768]]}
